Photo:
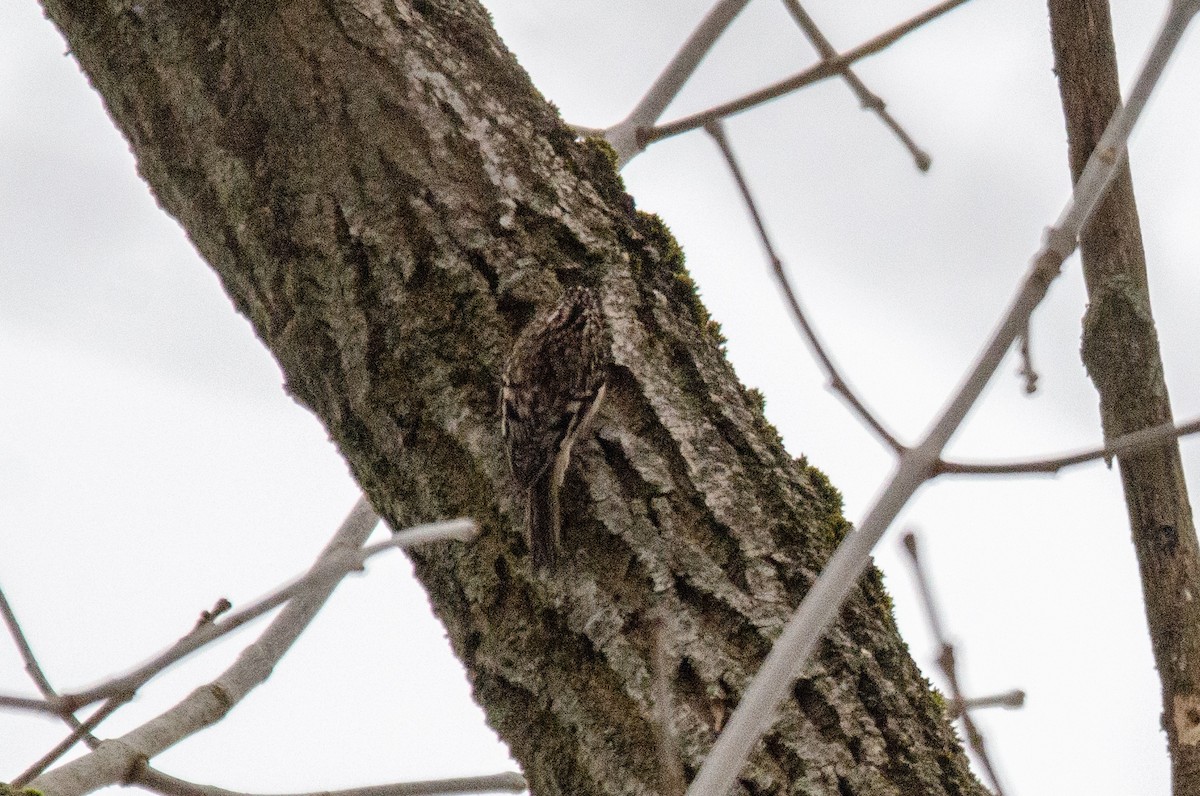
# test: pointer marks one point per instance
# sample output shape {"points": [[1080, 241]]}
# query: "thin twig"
{"points": [[814, 74], [31, 662], [794, 647], [1027, 371], [1125, 445], [947, 662], [81, 730], [38, 675], [836, 382], [508, 782], [153, 779], [1009, 699], [113, 760], [329, 568], [51, 706], [868, 99]]}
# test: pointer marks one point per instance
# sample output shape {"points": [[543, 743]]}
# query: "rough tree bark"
{"points": [[387, 199], [1121, 353]]}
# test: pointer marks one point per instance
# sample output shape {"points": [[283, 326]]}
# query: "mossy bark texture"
{"points": [[388, 200], [1121, 353]]}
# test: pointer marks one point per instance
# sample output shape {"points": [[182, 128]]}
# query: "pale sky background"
{"points": [[150, 462]]}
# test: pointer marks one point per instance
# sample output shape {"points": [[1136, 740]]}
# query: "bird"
{"points": [[554, 382]]}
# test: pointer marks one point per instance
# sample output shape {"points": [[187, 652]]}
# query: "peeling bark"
{"points": [[387, 199]]}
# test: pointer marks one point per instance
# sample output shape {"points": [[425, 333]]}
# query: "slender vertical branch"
{"points": [[1121, 353]]}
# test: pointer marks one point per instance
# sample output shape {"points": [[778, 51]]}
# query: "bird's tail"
{"points": [[544, 522]]}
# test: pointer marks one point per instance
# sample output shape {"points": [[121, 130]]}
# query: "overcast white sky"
{"points": [[150, 462]]}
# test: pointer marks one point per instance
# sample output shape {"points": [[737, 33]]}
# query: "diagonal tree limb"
{"points": [[756, 712], [31, 662], [81, 730], [625, 136], [116, 760], [164, 783], [329, 567], [389, 278], [113, 761]]}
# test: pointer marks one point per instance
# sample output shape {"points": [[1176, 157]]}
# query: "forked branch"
{"points": [[808, 625], [814, 74], [633, 133], [867, 98], [947, 662], [113, 760], [330, 568]]}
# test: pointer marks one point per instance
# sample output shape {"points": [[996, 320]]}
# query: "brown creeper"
{"points": [[553, 384]]}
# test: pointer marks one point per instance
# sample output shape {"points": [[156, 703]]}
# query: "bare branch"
{"points": [[625, 136], [1009, 699], [53, 702], [866, 97], [458, 530], [814, 74], [947, 662], [800, 636], [836, 382], [330, 568], [52, 706], [80, 730], [1110, 151], [113, 760], [1027, 371], [31, 663], [209, 616], [508, 782], [164, 783], [1124, 445]]}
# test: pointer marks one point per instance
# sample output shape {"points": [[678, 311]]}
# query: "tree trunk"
{"points": [[388, 200], [1120, 351]]}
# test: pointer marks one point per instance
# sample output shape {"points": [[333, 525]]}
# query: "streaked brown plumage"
{"points": [[553, 384]]}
